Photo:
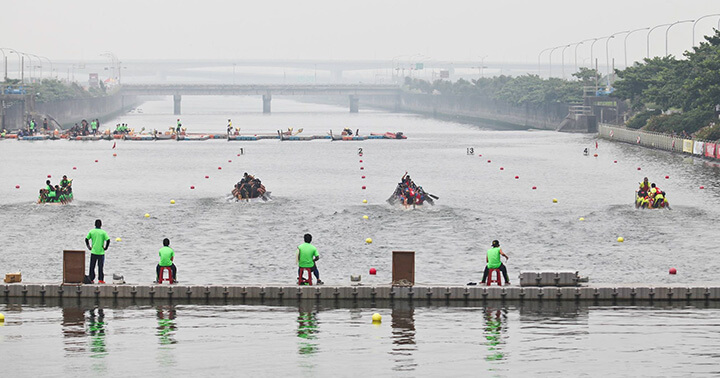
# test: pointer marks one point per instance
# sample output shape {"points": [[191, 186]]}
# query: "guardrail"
{"points": [[709, 149]]}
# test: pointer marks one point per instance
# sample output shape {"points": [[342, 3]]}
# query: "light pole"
{"points": [[552, 50], [576, 47], [607, 53], [2, 50], [648, 37], [668, 31], [539, 65], [625, 42], [20, 66], [696, 21], [592, 60], [51, 65], [40, 65], [562, 57]]}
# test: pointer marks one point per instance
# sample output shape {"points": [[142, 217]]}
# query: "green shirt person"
{"points": [[492, 258], [306, 257], [167, 256], [100, 243]]}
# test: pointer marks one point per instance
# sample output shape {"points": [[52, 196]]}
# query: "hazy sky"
{"points": [[502, 30]]}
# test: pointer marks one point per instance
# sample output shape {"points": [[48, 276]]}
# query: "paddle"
{"points": [[433, 196]]}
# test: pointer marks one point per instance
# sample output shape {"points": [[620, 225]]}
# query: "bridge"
{"points": [[266, 91]]}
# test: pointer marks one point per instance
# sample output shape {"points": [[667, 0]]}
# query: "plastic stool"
{"points": [[302, 280], [497, 277], [163, 269]]}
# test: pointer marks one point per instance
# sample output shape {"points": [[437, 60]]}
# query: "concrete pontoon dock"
{"points": [[376, 292]]}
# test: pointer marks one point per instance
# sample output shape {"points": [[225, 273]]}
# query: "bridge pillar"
{"points": [[266, 103], [176, 101], [354, 104]]}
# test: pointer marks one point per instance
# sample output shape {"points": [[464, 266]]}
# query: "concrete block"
{"points": [[33, 290], [547, 278], [680, 293], [308, 292], [86, 291], [661, 293], [698, 293], [587, 293], [271, 292], [141, 291], [325, 292], [253, 292], [382, 292], [511, 292], [529, 278], [567, 278], [344, 292], [643, 293], [531, 293], [566, 293], [217, 291], [475, 292], [552, 293], [457, 293], [123, 291], [161, 291], [624, 293], [437, 293], [605, 293], [106, 291], [404, 292], [714, 293], [494, 292], [363, 292], [196, 292]]}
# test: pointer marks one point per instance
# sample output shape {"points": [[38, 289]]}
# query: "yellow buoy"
{"points": [[172, 202], [582, 219], [376, 318], [554, 200], [118, 239], [147, 215], [364, 201], [365, 217], [621, 239], [368, 240], [2, 318]]}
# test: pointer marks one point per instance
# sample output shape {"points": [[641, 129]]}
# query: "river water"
{"points": [[317, 188]]}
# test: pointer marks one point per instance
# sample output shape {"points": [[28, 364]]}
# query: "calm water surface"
{"points": [[539, 339]]}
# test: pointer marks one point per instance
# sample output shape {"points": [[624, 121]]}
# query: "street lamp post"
{"points": [[51, 65], [696, 21], [607, 53], [625, 42], [668, 31], [40, 65], [592, 61], [648, 37], [552, 50], [2, 50], [539, 65], [562, 56]]}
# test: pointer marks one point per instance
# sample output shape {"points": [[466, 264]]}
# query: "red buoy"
{"points": [[488, 161], [534, 187], [638, 168], [363, 177], [74, 167], [229, 161], [49, 176], [96, 161], [17, 186], [373, 271], [361, 168], [615, 161], [207, 176], [517, 177], [114, 155], [219, 167], [702, 187], [363, 187], [595, 155], [673, 271], [667, 177], [238, 154], [192, 186], [361, 161]]}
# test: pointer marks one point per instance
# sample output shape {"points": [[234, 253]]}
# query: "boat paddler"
{"points": [[645, 185]]}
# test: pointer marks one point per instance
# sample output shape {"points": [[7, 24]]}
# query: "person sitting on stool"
{"points": [[494, 262], [167, 255], [306, 256]]}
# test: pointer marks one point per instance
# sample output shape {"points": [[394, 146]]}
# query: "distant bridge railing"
{"points": [[276, 90]]}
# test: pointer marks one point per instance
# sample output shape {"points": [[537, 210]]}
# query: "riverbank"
{"points": [[701, 148]]}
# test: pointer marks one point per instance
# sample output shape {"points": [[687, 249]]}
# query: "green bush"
{"points": [[711, 132], [639, 120], [690, 121]]}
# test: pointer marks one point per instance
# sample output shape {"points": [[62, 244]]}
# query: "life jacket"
{"points": [[644, 186]]}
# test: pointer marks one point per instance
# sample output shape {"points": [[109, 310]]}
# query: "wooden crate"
{"points": [[73, 266], [403, 267]]}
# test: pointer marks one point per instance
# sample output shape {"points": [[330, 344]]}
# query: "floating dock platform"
{"points": [[378, 292]]}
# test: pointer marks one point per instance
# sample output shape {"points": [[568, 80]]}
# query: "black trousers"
{"points": [[502, 268], [172, 268], [100, 261]]}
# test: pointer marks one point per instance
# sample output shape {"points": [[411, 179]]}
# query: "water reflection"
{"points": [[73, 329], [97, 331], [307, 330], [403, 338], [166, 324], [494, 332]]}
